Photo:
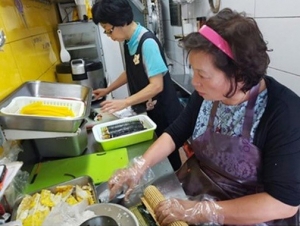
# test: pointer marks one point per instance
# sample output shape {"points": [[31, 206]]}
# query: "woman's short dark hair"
{"points": [[114, 12], [246, 42]]}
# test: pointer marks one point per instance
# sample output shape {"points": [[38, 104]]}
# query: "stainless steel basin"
{"points": [[50, 90]]}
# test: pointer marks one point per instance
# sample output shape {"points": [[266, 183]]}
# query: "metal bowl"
{"points": [[120, 214], [100, 221]]}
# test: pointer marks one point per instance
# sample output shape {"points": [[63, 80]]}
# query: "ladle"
{"points": [[64, 54]]}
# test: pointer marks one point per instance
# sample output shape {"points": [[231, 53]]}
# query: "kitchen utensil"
{"points": [[64, 54], [100, 221], [60, 146], [14, 108], [152, 197], [78, 69], [92, 76], [99, 166], [103, 194], [122, 215]]}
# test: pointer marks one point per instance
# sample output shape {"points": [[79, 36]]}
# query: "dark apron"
{"points": [[225, 167], [167, 107]]}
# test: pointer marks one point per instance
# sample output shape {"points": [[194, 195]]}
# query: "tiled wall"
{"points": [[31, 52], [278, 20], [31, 49]]}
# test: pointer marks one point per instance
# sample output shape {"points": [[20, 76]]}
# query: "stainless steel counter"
{"points": [[183, 81]]}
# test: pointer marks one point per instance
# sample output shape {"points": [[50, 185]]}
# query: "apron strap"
{"points": [[248, 121], [212, 115]]}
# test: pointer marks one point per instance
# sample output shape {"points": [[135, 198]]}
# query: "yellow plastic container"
{"points": [[128, 139]]}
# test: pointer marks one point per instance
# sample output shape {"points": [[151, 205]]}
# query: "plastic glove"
{"points": [[112, 106], [98, 93], [128, 179], [191, 212]]}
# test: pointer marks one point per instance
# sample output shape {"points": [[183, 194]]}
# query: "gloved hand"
{"points": [[128, 179], [191, 212], [114, 105], [98, 93]]}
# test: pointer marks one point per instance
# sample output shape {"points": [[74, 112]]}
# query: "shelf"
{"points": [[184, 82], [81, 47]]}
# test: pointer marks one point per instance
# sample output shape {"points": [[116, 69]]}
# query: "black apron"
{"points": [[225, 167], [167, 107]]}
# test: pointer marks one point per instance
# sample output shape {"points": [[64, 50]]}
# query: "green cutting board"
{"points": [[99, 166]]}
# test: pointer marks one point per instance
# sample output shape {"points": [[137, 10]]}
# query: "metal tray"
{"points": [[84, 180], [50, 90]]}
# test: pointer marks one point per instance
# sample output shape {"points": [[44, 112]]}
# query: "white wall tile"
{"points": [[283, 36], [202, 7], [291, 81], [278, 21], [277, 8]]}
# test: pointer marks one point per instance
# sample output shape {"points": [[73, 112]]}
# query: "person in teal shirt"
{"points": [[149, 82]]}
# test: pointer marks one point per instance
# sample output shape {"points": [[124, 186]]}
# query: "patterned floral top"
{"points": [[230, 118]]}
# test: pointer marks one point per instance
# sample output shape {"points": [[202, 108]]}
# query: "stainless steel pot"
{"points": [[120, 214], [83, 72]]}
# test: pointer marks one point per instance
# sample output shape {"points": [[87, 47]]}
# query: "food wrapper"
{"points": [[66, 215], [124, 113]]}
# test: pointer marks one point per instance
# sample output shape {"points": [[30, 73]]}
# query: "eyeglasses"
{"points": [[109, 32]]}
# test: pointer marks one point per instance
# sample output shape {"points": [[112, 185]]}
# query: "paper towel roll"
{"points": [[187, 28]]}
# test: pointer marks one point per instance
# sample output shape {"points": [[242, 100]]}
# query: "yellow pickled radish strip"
{"points": [[38, 108]]}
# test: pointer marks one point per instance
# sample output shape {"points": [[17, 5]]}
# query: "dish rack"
{"points": [[16, 126], [18, 103], [15, 106]]}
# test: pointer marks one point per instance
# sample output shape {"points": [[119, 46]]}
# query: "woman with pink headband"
{"points": [[245, 132]]}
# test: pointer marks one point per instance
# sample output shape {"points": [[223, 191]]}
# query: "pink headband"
{"points": [[216, 39]]}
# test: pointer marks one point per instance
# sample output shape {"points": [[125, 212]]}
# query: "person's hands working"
{"points": [[112, 106], [191, 212], [128, 179], [98, 93]]}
